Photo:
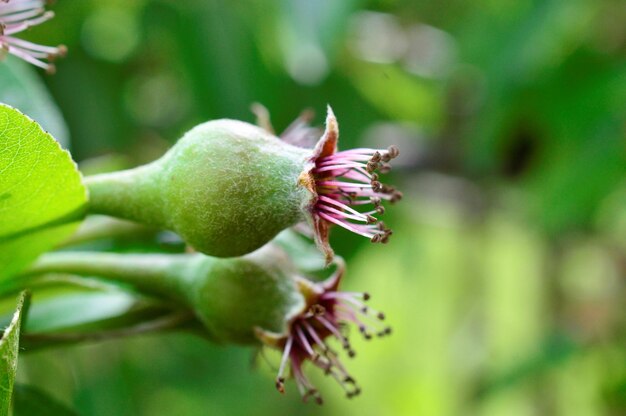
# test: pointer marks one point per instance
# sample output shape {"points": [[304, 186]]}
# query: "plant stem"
{"points": [[36, 281], [156, 274], [100, 226], [130, 194], [164, 323]]}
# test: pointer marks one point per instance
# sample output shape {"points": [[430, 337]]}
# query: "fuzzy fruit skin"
{"points": [[232, 297], [241, 294], [227, 187]]}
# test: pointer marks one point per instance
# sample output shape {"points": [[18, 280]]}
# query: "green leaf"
{"points": [[21, 87], [31, 401], [76, 309], [9, 346], [41, 193], [66, 314]]}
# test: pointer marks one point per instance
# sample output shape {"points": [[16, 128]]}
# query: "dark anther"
{"points": [[377, 186], [375, 200], [381, 316], [371, 220], [386, 157], [62, 50], [317, 310], [370, 167], [396, 197], [376, 238], [313, 393], [366, 296], [375, 157], [364, 309], [386, 189], [280, 384], [374, 177], [380, 210], [351, 353]]}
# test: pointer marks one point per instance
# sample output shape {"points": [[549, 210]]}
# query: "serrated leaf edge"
{"points": [[64, 151]]}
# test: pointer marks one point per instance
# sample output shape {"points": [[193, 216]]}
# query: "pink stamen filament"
{"points": [[353, 301], [351, 314], [342, 295], [338, 377], [357, 176], [335, 164], [332, 357], [359, 217], [347, 226], [338, 204], [356, 201], [360, 150], [371, 194], [351, 317], [343, 184], [34, 54], [13, 28], [301, 381], [48, 50], [27, 57], [304, 342], [13, 7], [331, 328], [315, 336], [18, 17], [347, 158], [283, 361], [304, 386], [328, 353], [346, 179]]}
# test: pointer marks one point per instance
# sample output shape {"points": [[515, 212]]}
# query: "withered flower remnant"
{"points": [[321, 323]]}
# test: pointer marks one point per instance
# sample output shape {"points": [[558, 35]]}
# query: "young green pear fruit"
{"points": [[257, 299], [228, 187], [231, 297]]}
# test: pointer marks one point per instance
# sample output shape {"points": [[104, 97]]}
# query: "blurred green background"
{"points": [[506, 276]]}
